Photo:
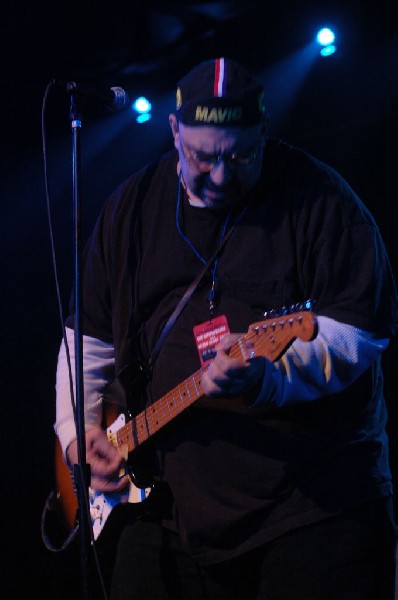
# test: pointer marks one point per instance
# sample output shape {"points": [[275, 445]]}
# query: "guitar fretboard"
{"points": [[161, 412], [268, 338]]}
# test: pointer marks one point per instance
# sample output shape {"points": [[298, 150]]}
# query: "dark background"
{"points": [[344, 109]]}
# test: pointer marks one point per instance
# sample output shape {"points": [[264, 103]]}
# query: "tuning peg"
{"points": [[307, 305]]}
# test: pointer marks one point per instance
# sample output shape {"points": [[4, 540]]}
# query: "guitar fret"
{"points": [[181, 397], [153, 418], [190, 400], [168, 405], [162, 414], [171, 402], [198, 394], [186, 395], [193, 387], [142, 427]]}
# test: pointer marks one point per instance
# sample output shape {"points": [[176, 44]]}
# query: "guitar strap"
{"points": [[189, 293], [130, 382]]}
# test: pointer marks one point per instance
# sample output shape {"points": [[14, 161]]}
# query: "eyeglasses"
{"points": [[204, 162]]}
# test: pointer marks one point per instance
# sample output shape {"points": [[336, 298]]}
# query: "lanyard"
{"points": [[213, 270], [191, 289]]}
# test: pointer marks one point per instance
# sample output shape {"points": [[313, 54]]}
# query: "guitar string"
{"points": [[235, 352], [153, 413]]}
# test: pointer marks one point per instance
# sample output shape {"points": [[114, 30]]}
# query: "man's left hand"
{"points": [[229, 376]]}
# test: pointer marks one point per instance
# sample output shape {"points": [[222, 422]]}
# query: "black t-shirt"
{"points": [[242, 478]]}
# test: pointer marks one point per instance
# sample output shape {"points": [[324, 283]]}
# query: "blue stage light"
{"points": [[325, 37], [328, 50], [143, 117], [142, 105]]}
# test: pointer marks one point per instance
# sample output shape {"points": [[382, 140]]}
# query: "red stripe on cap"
{"points": [[218, 77]]}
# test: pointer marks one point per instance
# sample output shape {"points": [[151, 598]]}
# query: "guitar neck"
{"points": [[157, 415], [268, 338]]}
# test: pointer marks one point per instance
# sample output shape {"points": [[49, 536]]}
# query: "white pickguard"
{"points": [[102, 504]]}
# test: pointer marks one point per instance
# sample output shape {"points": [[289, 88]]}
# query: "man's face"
{"points": [[218, 165]]}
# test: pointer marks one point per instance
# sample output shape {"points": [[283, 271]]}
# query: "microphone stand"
{"points": [[81, 471]]}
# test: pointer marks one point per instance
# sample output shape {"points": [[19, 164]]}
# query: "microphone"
{"points": [[115, 98]]}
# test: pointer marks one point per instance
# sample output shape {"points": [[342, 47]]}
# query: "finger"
{"points": [[223, 366], [109, 485], [227, 341], [233, 379], [104, 452], [217, 382], [104, 470], [101, 446]]}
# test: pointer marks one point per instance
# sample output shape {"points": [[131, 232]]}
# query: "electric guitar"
{"points": [[269, 338]]}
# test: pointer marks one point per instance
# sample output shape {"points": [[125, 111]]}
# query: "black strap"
{"points": [[188, 294]]}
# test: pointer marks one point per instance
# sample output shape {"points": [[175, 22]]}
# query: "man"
{"points": [[278, 483]]}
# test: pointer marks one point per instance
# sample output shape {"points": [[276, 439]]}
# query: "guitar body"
{"points": [[65, 493], [269, 338], [101, 504]]}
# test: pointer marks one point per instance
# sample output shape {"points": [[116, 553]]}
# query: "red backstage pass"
{"points": [[208, 335]]}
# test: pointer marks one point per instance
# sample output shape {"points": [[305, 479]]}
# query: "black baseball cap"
{"points": [[220, 92]]}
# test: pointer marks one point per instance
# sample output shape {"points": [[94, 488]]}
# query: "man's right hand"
{"points": [[104, 459]]}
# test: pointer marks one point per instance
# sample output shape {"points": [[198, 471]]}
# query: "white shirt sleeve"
{"points": [[308, 370], [331, 362], [98, 370]]}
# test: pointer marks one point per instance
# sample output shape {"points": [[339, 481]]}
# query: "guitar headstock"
{"points": [[301, 325], [271, 337]]}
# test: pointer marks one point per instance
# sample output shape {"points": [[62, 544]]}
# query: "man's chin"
{"points": [[216, 200]]}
